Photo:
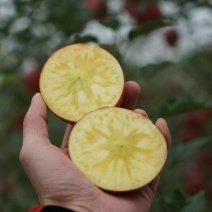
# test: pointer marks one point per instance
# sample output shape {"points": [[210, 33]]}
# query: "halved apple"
{"points": [[80, 78], [117, 149]]}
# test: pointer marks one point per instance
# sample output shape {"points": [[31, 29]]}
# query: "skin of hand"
{"points": [[57, 181]]}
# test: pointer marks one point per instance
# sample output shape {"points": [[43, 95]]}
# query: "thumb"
{"points": [[35, 128]]}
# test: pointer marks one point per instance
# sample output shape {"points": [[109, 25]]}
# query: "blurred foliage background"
{"points": [[166, 46]]}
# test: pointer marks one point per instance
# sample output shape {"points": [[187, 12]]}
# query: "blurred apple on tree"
{"points": [[31, 81], [98, 7], [193, 123], [143, 13], [197, 119], [171, 37]]}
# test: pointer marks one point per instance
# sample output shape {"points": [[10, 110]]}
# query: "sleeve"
{"points": [[50, 209]]}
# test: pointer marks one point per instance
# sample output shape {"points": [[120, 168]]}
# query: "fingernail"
{"points": [[34, 97], [165, 126], [142, 113], [165, 123]]}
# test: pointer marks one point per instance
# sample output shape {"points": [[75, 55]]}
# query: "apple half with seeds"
{"points": [[80, 78], [117, 149]]}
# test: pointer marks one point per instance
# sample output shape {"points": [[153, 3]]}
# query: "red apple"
{"points": [[31, 80], [193, 123], [197, 119], [99, 8], [171, 37], [150, 12]]}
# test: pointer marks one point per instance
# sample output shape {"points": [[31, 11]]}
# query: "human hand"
{"points": [[59, 182]]}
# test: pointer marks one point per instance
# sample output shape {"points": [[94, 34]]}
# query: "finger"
{"points": [[140, 111], [132, 91], [35, 129], [65, 141], [35, 135], [162, 125]]}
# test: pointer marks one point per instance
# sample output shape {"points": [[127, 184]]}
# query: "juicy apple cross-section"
{"points": [[80, 78], [117, 149]]}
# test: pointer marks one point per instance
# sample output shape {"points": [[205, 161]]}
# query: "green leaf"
{"points": [[112, 49], [179, 105], [148, 27], [182, 152], [8, 79], [153, 68], [196, 203], [112, 23], [84, 39], [176, 201], [77, 38]]}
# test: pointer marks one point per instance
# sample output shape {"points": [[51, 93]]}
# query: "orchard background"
{"points": [[166, 46]]}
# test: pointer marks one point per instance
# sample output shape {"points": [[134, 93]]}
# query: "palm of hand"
{"points": [[56, 179], [71, 189]]}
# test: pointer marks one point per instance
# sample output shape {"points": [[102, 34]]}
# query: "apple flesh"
{"points": [[80, 78], [117, 149]]}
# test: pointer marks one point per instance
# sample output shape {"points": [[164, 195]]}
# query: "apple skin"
{"points": [[150, 12], [98, 7], [171, 37], [31, 81], [73, 123]]}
